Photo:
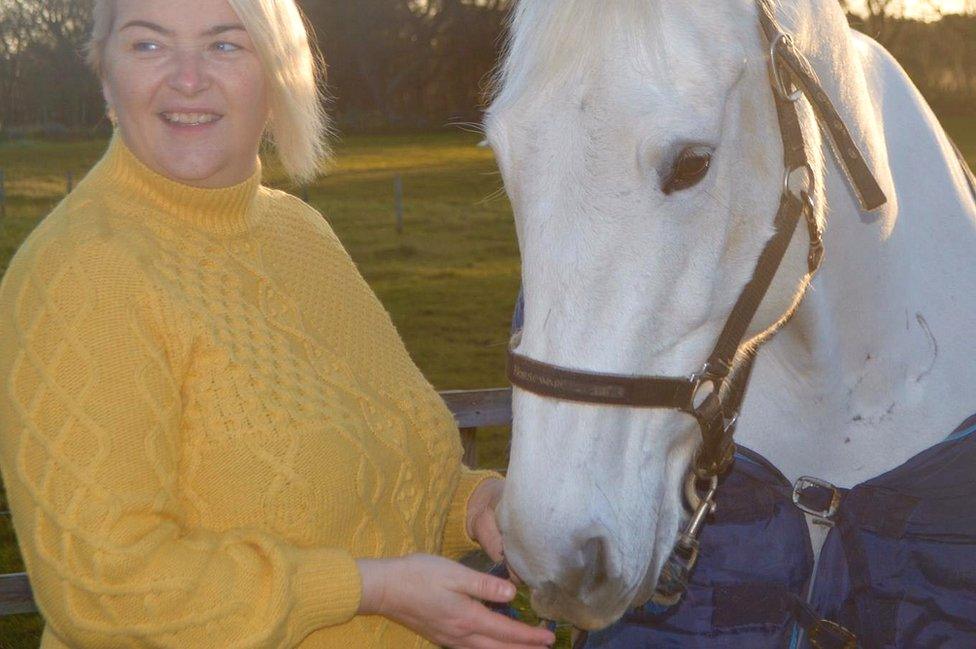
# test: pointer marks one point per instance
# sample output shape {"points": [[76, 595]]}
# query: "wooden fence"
{"points": [[472, 409]]}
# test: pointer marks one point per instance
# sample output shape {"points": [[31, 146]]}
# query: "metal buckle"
{"points": [[825, 634], [778, 82], [825, 515]]}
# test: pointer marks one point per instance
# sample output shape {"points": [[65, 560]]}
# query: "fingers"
{"points": [[494, 625], [448, 608], [481, 516], [488, 629], [506, 630], [486, 587], [496, 553], [488, 643], [490, 539]]}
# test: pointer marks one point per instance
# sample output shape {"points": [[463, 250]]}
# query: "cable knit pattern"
{"points": [[206, 416]]}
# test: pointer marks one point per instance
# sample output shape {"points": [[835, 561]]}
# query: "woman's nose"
{"points": [[189, 75]]}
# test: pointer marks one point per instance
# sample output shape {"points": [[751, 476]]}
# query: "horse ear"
{"points": [[518, 317]]}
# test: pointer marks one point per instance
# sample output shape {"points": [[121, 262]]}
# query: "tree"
{"points": [[42, 74], [406, 62]]}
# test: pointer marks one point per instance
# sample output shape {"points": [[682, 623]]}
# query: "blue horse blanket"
{"points": [[898, 569]]}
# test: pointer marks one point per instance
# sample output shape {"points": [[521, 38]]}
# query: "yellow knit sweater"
{"points": [[206, 416]]}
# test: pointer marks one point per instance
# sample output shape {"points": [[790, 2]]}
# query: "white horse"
{"points": [[627, 270]]}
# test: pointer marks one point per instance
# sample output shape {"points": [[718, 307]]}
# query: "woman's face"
{"points": [[187, 88]]}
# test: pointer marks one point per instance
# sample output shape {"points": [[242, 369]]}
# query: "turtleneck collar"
{"points": [[224, 210]]}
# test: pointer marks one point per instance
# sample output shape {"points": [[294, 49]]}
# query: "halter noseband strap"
{"points": [[714, 394]]}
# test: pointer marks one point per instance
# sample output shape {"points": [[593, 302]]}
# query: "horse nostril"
{"points": [[596, 563]]}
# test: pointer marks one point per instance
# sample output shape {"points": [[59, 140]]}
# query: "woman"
{"points": [[210, 433]]}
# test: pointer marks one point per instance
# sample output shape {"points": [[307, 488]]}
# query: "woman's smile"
{"points": [[183, 120]]}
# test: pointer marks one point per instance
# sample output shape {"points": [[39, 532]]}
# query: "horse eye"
{"points": [[689, 169]]}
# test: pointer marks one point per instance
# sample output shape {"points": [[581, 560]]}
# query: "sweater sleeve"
{"points": [[90, 416], [457, 542]]}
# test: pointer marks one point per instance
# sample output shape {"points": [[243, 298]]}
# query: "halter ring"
{"points": [[807, 189], [706, 376]]}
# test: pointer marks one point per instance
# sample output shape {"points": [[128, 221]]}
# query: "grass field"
{"points": [[449, 280]]}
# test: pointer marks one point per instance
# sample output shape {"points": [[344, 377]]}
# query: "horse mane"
{"points": [[554, 39]]}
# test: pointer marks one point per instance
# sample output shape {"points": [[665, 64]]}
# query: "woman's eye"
{"points": [[145, 46], [225, 47], [689, 169]]}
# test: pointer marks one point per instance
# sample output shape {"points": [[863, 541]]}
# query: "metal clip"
{"points": [[701, 507], [696, 501], [677, 570]]}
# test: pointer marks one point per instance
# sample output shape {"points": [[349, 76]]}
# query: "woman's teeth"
{"points": [[191, 119]]}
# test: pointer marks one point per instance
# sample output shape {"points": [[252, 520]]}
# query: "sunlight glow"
{"points": [[924, 9]]}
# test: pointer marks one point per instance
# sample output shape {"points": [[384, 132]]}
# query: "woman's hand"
{"points": [[482, 526], [438, 599]]}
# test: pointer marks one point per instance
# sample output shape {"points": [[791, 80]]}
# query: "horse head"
{"points": [[640, 148]]}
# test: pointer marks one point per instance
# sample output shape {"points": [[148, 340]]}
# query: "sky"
{"points": [[920, 8], [947, 6]]}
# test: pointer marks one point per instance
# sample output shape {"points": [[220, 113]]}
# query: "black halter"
{"points": [[714, 394]]}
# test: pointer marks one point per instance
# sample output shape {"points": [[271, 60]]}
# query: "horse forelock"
{"points": [[557, 42], [548, 41]]}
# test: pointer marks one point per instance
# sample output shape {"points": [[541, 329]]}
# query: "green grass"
{"points": [[449, 280], [963, 131]]}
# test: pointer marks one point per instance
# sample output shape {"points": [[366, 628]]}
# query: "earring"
{"points": [[112, 117]]}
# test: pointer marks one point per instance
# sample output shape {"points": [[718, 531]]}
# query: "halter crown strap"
{"points": [[855, 167]]}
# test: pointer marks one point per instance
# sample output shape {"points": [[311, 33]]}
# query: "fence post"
{"points": [[469, 441], [398, 192], [16, 595]]}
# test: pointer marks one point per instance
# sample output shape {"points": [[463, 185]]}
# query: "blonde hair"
{"points": [[299, 126]]}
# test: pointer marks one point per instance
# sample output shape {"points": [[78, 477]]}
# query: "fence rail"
{"points": [[472, 409]]}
